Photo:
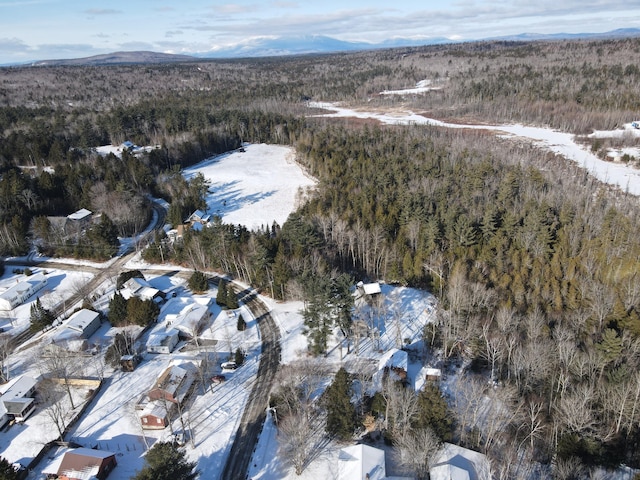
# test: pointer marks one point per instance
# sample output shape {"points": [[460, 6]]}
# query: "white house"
{"points": [[360, 462], [139, 287], [74, 334], [187, 317], [18, 399], [163, 342], [19, 293], [453, 462]]}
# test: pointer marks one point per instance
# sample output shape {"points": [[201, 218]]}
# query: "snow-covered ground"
{"points": [[256, 187], [625, 177], [422, 86]]}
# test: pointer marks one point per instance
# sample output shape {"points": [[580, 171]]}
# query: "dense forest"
{"points": [[535, 263]]}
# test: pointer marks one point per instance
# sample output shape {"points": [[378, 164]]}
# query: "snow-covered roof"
{"points": [[185, 314], [371, 288], [80, 214], [29, 283], [19, 388], [80, 320], [394, 358], [453, 462], [356, 461]]}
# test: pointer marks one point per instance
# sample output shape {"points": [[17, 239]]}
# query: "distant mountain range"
{"points": [[311, 44]]}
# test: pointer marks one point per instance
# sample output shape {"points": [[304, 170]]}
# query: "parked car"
{"points": [[218, 378], [229, 366]]}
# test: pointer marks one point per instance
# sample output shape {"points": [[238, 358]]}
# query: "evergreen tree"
{"points": [[198, 282], [434, 413], [166, 461], [117, 310], [341, 413], [239, 357], [40, 316], [142, 312], [317, 312], [242, 325], [232, 299], [7, 470], [221, 296]]}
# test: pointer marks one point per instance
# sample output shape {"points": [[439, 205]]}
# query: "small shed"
{"points": [[130, 362], [86, 463], [432, 374]]}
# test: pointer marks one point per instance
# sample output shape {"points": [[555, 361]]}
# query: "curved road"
{"points": [[254, 414]]}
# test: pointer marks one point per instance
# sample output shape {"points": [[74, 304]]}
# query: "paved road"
{"points": [[254, 414]]}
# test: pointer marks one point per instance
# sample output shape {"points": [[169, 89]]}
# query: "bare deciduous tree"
{"points": [[416, 451]]}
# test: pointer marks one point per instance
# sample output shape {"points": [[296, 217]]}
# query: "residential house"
{"points": [[139, 287], [199, 217], [77, 223], [19, 293], [174, 384], [86, 463], [393, 365], [76, 331], [361, 462], [453, 462], [169, 391], [163, 341], [188, 317], [18, 400]]}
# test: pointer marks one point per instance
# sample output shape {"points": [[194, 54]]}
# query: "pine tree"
{"points": [[221, 296], [239, 357], [232, 299], [40, 316], [166, 461], [8, 471], [341, 413], [242, 325], [117, 310], [433, 412], [198, 282]]}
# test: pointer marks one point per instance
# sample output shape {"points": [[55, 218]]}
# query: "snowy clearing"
{"points": [[254, 188]]}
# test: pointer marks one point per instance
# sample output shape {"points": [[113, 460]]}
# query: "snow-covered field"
{"points": [[256, 187], [625, 177]]}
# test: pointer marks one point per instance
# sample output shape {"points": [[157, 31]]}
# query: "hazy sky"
{"points": [[46, 29]]}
